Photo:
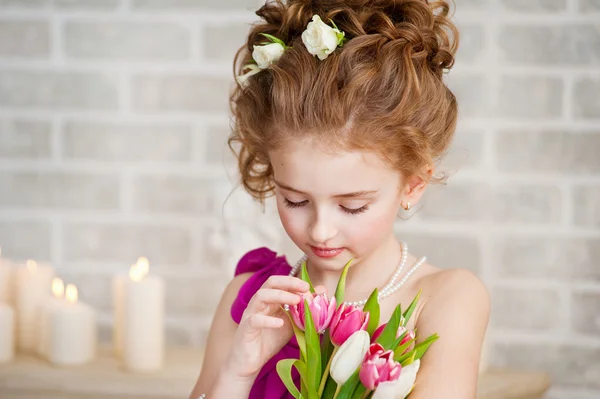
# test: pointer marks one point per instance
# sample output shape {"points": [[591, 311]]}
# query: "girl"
{"points": [[341, 117]]}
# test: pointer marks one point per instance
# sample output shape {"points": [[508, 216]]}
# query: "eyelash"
{"points": [[357, 211]]}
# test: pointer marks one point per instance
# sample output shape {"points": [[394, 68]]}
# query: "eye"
{"points": [[354, 211], [291, 204]]}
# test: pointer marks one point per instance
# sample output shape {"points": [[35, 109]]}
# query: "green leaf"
{"points": [[327, 348], [330, 387], [411, 308], [299, 336], [372, 306], [284, 369], [388, 335], [313, 351], [400, 349], [349, 386], [418, 351], [304, 276], [359, 392], [340, 290], [274, 39]]}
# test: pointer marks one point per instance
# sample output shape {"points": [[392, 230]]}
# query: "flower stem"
{"points": [[337, 391], [367, 392], [326, 373]]}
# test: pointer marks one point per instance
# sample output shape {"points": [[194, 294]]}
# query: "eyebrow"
{"points": [[347, 195]]}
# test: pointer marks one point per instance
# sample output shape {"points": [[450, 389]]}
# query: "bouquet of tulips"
{"points": [[343, 352]]}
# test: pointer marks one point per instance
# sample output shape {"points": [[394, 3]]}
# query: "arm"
{"points": [[214, 380], [459, 312]]}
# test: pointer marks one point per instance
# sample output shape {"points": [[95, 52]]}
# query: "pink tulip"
{"points": [[401, 330], [321, 308], [347, 320], [379, 366]]}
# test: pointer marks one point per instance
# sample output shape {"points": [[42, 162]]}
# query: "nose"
{"points": [[322, 229]]}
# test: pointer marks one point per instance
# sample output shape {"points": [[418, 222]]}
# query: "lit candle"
{"points": [[45, 338], [72, 331], [139, 318], [7, 328], [33, 284]]}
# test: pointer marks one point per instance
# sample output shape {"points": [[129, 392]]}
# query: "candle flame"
{"points": [[140, 269], [31, 265], [71, 293], [58, 288]]}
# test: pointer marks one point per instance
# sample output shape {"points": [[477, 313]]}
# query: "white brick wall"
{"points": [[113, 120]]}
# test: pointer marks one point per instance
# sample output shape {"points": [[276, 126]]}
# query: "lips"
{"points": [[326, 252]]}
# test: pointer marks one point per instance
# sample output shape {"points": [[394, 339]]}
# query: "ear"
{"points": [[414, 187]]}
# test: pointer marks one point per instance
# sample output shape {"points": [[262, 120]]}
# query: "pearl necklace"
{"points": [[390, 288]]}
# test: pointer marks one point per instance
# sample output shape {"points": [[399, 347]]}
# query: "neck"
{"points": [[365, 274]]}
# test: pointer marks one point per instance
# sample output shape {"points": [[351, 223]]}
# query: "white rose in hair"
{"points": [[319, 38], [267, 54]]}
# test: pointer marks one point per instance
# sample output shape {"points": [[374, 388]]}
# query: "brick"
{"points": [[458, 202], [557, 258], [587, 205], [584, 311], [527, 204], [127, 40], [69, 4], [466, 150], [569, 365], [124, 243], [25, 239], [23, 139], [589, 5], [195, 296], [132, 142], [180, 93], [525, 309], [535, 5], [59, 190], [170, 193], [56, 90], [471, 93], [548, 151], [554, 45], [530, 97], [216, 150], [586, 102], [221, 42], [471, 4], [445, 251], [471, 43], [195, 4], [24, 39]]}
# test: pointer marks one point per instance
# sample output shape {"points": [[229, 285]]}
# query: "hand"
{"points": [[264, 328]]}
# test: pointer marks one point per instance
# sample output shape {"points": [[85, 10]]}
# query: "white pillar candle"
{"points": [[5, 279], [44, 329], [7, 328], [143, 320], [33, 284], [72, 331]]}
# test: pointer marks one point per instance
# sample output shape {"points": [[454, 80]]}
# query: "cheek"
{"points": [[293, 222], [367, 232]]}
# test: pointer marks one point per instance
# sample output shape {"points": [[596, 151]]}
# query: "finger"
{"points": [[259, 321], [287, 283], [276, 297]]}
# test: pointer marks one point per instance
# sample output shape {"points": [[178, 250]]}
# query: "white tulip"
{"points": [[350, 356], [402, 386], [253, 70], [267, 54], [319, 38]]}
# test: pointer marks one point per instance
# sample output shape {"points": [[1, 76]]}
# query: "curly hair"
{"points": [[383, 91]]}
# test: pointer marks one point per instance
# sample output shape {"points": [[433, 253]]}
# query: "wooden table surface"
{"points": [[32, 378]]}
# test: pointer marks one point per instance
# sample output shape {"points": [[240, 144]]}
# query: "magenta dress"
{"points": [[264, 263]]}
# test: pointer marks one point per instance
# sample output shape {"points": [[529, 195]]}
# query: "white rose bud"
{"points": [[319, 38], [267, 54], [349, 356], [400, 388]]}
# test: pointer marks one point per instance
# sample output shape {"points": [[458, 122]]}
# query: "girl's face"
{"points": [[335, 207]]}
